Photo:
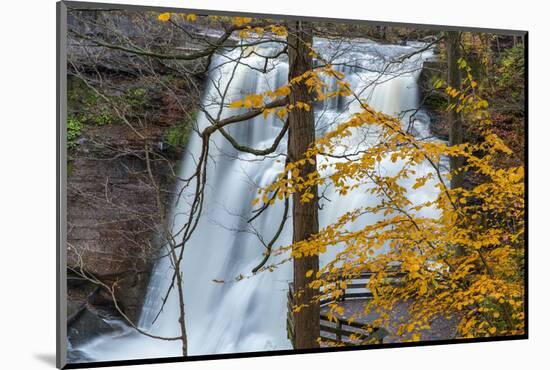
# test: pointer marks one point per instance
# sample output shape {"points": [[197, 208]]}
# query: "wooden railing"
{"points": [[339, 331], [363, 292], [343, 332]]}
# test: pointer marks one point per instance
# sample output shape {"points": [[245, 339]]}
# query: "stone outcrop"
{"points": [[434, 101], [113, 215], [111, 211]]}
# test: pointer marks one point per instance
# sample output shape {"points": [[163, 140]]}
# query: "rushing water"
{"points": [[249, 315]]}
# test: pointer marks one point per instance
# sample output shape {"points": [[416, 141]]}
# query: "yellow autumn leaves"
{"points": [[483, 290], [249, 101], [242, 23], [165, 17], [316, 86]]}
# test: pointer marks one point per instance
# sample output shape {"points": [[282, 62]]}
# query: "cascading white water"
{"points": [[250, 315]]}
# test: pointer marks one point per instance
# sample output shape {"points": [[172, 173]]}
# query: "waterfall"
{"points": [[250, 314]]}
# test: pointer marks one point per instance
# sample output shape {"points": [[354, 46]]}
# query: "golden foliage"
{"points": [[164, 17], [483, 288]]}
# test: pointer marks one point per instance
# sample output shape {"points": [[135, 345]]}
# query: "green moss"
{"points": [[101, 118], [135, 100], [74, 128], [86, 106], [178, 135]]}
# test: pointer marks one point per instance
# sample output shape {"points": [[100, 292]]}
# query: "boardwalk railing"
{"points": [[340, 331], [349, 333]]}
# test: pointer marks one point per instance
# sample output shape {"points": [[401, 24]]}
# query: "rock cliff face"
{"points": [[128, 121], [111, 210], [114, 216]]}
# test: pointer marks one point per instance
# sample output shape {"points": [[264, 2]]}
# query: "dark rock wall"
{"points": [[112, 213], [434, 101], [113, 218]]}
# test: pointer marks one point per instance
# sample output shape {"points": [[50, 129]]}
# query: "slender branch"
{"points": [[269, 246]]}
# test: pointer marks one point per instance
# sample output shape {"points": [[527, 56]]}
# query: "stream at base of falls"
{"points": [[250, 315]]}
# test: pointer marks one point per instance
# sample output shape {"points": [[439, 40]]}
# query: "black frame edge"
{"points": [[164, 360], [61, 186]]}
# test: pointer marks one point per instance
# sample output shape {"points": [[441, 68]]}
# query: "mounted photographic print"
{"points": [[236, 185]]}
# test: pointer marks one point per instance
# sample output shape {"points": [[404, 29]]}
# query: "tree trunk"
{"points": [[301, 135], [456, 135], [456, 131]]}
